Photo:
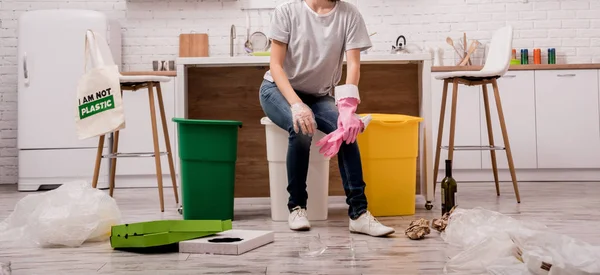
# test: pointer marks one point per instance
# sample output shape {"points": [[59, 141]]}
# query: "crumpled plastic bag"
{"points": [[497, 244], [5, 268], [508, 266], [476, 259], [66, 216], [555, 254], [467, 228]]}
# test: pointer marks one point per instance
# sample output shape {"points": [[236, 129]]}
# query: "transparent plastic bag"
{"points": [[477, 258], [468, 227], [561, 254], [508, 266], [5, 268], [67, 216], [336, 247], [316, 246], [497, 244]]}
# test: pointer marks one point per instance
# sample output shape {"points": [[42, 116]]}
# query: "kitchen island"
{"points": [[226, 88], [530, 94]]}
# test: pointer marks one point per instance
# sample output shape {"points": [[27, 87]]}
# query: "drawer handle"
{"points": [[25, 70], [510, 76], [565, 75]]}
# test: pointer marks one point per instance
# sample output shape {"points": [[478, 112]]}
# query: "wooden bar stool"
{"points": [[496, 65], [133, 84], [129, 85]]}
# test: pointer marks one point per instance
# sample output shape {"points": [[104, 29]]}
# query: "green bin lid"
{"points": [[207, 122]]}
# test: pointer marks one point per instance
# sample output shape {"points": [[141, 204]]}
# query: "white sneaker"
{"points": [[298, 219], [367, 224]]}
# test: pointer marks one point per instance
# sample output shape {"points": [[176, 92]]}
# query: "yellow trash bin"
{"points": [[389, 149]]}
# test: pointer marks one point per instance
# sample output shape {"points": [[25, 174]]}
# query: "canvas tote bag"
{"points": [[99, 100]]}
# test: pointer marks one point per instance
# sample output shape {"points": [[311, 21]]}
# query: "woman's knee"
{"points": [[277, 109], [326, 114], [275, 106]]}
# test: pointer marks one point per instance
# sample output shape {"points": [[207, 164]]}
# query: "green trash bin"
{"points": [[207, 153]]}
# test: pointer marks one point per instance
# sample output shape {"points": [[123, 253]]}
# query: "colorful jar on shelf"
{"points": [[524, 56]]}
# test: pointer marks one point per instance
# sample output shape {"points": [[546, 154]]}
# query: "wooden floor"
{"points": [[568, 208]]}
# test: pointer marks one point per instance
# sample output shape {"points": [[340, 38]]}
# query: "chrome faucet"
{"points": [[231, 38]]}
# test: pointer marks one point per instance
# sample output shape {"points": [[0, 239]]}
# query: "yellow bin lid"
{"points": [[392, 119]]}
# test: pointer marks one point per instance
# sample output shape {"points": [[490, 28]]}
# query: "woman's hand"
{"points": [[303, 118]]}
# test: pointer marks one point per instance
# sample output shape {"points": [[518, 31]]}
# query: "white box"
{"points": [[251, 239]]}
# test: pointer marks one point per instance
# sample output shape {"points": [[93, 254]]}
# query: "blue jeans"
{"points": [[277, 109]]}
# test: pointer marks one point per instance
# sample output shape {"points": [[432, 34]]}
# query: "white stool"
{"points": [[496, 65], [135, 83], [317, 181]]}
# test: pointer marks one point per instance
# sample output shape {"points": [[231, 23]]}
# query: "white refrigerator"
{"points": [[51, 48]]}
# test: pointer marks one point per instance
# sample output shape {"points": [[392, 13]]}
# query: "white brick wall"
{"points": [[151, 28]]}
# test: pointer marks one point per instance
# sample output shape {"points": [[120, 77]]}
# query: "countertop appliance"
{"points": [[51, 49], [399, 47]]}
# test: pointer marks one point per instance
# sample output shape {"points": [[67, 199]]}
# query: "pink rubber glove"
{"points": [[347, 99], [348, 120], [330, 144]]}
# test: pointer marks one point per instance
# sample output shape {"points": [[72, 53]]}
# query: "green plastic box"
{"points": [[208, 154], [165, 232], [150, 227]]}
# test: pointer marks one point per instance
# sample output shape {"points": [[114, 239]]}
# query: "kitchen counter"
{"points": [[264, 60], [226, 88], [520, 67], [375, 59], [158, 73]]}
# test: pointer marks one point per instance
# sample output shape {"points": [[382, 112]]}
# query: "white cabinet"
{"points": [[517, 95], [567, 117], [468, 123], [137, 136]]}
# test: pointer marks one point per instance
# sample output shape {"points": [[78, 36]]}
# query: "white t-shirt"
{"points": [[317, 43]]}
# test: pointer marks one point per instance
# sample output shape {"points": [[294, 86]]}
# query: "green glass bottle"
{"points": [[449, 189]]}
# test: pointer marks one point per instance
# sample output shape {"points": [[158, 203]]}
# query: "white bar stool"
{"points": [[496, 65], [135, 83]]}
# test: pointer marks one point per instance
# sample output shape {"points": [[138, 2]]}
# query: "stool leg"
{"points": [[156, 148], [161, 106], [453, 119], [98, 161], [438, 147], [486, 103], [113, 165], [509, 157]]}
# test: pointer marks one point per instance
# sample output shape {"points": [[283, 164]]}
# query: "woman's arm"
{"points": [[353, 66], [278, 52]]}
